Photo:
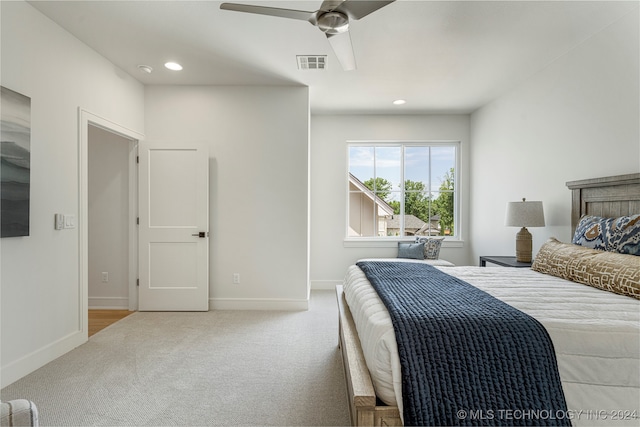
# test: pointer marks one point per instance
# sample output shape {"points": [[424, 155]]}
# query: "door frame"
{"points": [[86, 118]]}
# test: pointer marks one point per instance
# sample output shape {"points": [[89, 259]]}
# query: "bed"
{"points": [[595, 333]]}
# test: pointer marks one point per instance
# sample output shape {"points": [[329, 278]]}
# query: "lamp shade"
{"points": [[524, 214]]}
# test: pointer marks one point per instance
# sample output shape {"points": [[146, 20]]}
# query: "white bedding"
{"points": [[596, 335]]}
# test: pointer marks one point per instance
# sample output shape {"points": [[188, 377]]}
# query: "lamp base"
{"points": [[524, 244]]}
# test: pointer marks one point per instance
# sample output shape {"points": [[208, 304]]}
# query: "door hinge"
{"points": [[138, 220], [137, 159], [137, 282]]}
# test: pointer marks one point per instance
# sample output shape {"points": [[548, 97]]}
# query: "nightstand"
{"points": [[504, 261]]}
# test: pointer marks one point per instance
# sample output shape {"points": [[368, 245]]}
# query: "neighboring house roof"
{"points": [[415, 225], [411, 222], [367, 191], [434, 226]]}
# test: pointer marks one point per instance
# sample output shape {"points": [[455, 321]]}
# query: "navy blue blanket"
{"points": [[467, 358]]}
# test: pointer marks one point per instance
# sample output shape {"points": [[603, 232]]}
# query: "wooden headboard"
{"points": [[611, 196]]}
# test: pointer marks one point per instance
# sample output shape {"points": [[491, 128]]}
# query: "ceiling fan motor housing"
{"points": [[333, 22]]}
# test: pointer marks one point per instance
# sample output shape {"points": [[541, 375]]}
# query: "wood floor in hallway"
{"points": [[100, 319]]}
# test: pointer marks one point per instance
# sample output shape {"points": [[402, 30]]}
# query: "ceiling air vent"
{"points": [[312, 62]]}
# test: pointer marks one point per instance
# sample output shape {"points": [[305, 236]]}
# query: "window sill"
{"points": [[393, 243]]}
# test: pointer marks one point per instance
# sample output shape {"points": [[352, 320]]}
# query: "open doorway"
{"points": [[107, 151], [108, 220]]}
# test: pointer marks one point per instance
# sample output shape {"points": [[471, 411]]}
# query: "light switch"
{"points": [[69, 221], [58, 222]]}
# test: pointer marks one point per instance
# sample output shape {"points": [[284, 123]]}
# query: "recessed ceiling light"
{"points": [[145, 69], [173, 66], [399, 102]]}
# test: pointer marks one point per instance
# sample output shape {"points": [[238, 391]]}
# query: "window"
{"points": [[402, 189]]}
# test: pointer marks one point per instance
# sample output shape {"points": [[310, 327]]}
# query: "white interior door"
{"points": [[174, 227]]}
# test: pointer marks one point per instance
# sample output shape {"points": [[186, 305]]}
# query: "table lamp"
{"points": [[524, 214]]}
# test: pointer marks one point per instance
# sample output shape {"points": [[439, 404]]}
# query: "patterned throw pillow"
{"points": [[610, 271], [620, 234], [431, 246]]}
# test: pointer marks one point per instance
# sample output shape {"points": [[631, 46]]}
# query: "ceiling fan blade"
{"points": [[330, 5], [271, 11], [358, 9], [341, 45]]}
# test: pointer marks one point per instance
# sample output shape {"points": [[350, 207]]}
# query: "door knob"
{"points": [[200, 234]]}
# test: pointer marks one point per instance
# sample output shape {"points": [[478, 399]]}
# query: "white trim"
{"points": [[363, 242], [133, 226], [308, 236], [325, 285], [258, 304], [40, 357], [109, 303], [85, 118]]}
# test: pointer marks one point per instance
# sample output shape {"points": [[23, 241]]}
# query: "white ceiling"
{"points": [[441, 56]]}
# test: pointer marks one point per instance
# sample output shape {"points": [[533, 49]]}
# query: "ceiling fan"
{"points": [[332, 19]]}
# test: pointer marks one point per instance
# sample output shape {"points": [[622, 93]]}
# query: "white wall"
{"points": [[108, 212], [329, 135], [41, 293], [576, 119], [258, 141]]}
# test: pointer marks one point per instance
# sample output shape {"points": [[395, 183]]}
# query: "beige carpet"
{"points": [[191, 369]]}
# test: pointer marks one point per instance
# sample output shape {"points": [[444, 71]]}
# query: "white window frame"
{"points": [[391, 241]]}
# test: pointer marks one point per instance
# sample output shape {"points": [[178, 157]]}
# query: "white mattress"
{"points": [[596, 335]]}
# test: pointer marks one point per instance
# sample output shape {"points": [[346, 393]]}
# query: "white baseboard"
{"points": [[109, 303], [325, 284], [258, 304], [13, 371]]}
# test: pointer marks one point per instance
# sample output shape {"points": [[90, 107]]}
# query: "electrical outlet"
{"points": [[236, 278], [105, 277]]}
